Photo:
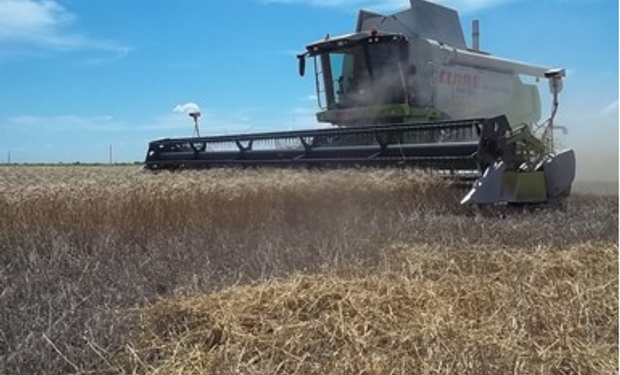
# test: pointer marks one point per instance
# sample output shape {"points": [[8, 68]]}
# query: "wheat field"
{"points": [[112, 270]]}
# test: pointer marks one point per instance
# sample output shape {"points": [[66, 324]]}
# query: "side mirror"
{"points": [[302, 64]]}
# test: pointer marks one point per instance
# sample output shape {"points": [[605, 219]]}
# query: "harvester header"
{"points": [[404, 89]]}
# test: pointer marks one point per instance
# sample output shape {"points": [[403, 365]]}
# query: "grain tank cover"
{"points": [[424, 19]]}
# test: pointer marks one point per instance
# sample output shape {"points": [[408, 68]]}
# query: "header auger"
{"points": [[405, 90]]}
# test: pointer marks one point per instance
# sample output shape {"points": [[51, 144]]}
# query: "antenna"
{"points": [[195, 115], [193, 110]]}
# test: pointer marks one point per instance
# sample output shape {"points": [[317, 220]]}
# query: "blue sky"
{"points": [[78, 76]]}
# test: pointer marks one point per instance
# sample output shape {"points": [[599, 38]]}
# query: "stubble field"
{"points": [[114, 270]]}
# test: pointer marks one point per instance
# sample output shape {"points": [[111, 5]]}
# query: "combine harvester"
{"points": [[405, 90]]}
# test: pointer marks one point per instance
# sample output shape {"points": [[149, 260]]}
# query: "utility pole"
{"points": [[9, 158], [110, 153]]}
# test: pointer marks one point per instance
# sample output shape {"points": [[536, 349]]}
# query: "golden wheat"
{"points": [[475, 312], [82, 247]]}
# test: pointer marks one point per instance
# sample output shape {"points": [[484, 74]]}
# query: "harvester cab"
{"points": [[415, 66], [361, 78], [405, 90]]}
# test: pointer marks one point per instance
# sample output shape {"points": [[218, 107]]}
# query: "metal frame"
{"points": [[449, 146]]}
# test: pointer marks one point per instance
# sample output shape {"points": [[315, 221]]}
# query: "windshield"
{"points": [[363, 75]]}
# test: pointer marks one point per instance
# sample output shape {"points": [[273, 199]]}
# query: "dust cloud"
{"points": [[595, 141]]}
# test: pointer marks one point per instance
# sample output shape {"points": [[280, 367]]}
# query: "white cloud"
{"points": [[27, 19], [188, 108], [46, 24]]}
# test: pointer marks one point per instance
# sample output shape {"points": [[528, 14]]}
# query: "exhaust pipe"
{"points": [[475, 35]]}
